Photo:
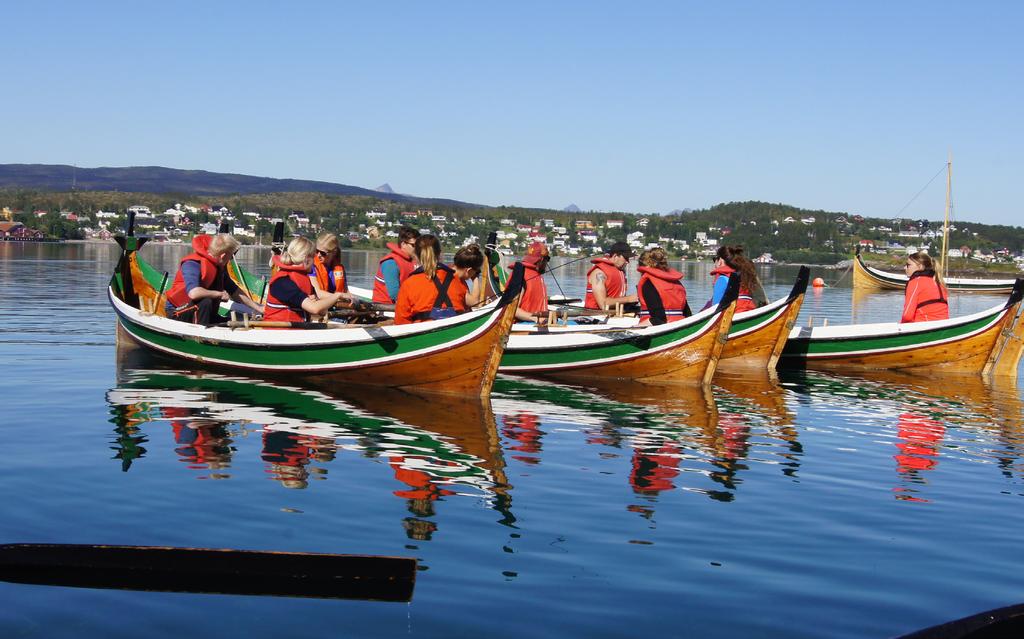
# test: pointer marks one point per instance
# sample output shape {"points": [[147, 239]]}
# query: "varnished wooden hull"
{"points": [[867, 277], [757, 337], [968, 345]]}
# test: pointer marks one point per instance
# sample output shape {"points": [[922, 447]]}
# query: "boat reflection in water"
{"points": [[436, 447], [930, 417], [676, 437]]}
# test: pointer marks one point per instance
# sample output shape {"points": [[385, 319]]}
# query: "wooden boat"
{"points": [[684, 351], [755, 338], [457, 355], [868, 277], [987, 343]]}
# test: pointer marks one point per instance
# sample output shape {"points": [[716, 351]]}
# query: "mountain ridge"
{"points": [[159, 179]]}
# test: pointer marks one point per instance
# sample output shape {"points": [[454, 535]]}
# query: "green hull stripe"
{"points": [[314, 356], [804, 347]]}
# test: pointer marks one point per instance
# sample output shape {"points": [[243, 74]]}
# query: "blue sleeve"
{"points": [[391, 277], [190, 272], [286, 291], [721, 284]]}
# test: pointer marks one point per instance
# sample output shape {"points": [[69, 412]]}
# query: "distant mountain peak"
{"points": [[572, 208], [384, 188]]}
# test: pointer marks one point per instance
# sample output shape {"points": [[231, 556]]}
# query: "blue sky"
{"points": [[641, 107]]}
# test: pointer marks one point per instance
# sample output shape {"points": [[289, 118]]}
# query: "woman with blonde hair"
{"points": [[328, 273], [291, 297], [925, 297], [660, 291], [202, 282], [436, 290]]}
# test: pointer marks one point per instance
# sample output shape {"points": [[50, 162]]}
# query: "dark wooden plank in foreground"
{"points": [[208, 570], [993, 624]]}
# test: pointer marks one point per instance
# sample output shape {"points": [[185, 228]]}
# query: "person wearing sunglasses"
{"points": [[606, 280], [291, 296], [328, 273], [396, 266], [925, 297]]}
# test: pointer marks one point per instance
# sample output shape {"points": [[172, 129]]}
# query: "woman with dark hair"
{"points": [[396, 266], [925, 298], [729, 260], [660, 291], [436, 290]]}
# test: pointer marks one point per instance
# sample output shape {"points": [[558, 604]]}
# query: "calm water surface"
{"points": [[817, 505]]}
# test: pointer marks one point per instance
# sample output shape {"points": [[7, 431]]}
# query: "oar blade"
{"points": [[207, 570]]}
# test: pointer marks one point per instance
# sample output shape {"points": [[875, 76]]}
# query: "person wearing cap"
{"points": [[606, 280], [533, 305]]}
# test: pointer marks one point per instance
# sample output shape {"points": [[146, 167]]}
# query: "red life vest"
{"points": [[535, 291], [405, 269], [614, 281], [278, 311], [670, 290], [745, 302], [335, 284], [924, 299], [211, 275]]}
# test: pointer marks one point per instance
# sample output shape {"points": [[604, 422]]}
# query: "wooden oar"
{"points": [[209, 570], [360, 305], [273, 324]]}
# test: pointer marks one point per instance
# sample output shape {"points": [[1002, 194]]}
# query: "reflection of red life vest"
{"points": [[745, 302], [535, 291], [278, 311], [654, 472], [920, 447], [423, 485], [333, 281], [211, 276], [525, 429], [285, 449], [614, 281], [405, 268], [670, 290], [198, 446]]}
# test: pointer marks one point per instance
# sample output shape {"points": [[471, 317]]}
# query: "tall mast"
{"points": [[945, 226]]}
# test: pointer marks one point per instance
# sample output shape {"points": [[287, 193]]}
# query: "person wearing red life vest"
{"points": [[660, 291], [533, 305], [435, 290], [291, 297], [729, 260], [925, 298], [606, 280], [395, 267], [328, 273], [202, 282]]}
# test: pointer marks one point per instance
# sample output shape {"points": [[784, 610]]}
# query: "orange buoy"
{"points": [[818, 283]]}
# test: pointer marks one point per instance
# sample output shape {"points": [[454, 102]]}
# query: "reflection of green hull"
{"points": [[302, 411]]}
